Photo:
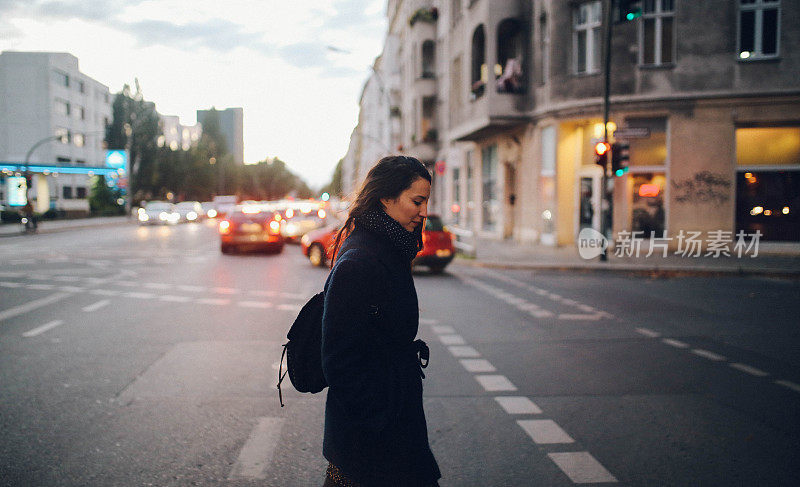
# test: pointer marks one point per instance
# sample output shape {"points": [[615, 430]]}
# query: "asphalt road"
{"points": [[142, 356]]}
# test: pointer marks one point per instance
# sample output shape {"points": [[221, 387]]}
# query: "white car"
{"points": [[158, 213], [189, 211]]}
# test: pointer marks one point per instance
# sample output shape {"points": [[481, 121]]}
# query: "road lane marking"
{"points": [[540, 313], [104, 292], [40, 287], [452, 339], [254, 304], [175, 299], [575, 317], [72, 289], [477, 365], [32, 305], [544, 431], [10, 284], [139, 295], [256, 454], [788, 384], [586, 308], [495, 383], [290, 307], [191, 289], [215, 301], [709, 355], [674, 343], [463, 351], [648, 333], [441, 329], [127, 283], [749, 370], [12, 274], [581, 467], [41, 329], [96, 306], [518, 405]]}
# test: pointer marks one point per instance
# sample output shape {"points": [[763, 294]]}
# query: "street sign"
{"points": [[118, 159], [632, 133], [17, 191]]}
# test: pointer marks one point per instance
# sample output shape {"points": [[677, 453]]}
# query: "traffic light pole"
{"points": [[605, 205]]}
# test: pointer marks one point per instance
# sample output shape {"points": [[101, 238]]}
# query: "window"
{"points": [[759, 28], [80, 162], [67, 192], [510, 57], [81, 192], [470, 190], [63, 133], [428, 59], [81, 86], [456, 94], [62, 107], [489, 197], [78, 139], [427, 128], [657, 32], [587, 37], [63, 159], [544, 39], [80, 112], [61, 79], [480, 73]]}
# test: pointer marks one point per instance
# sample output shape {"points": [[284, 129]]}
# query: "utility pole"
{"points": [[605, 204]]}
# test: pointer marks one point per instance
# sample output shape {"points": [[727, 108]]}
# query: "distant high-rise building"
{"points": [[231, 125], [176, 135]]}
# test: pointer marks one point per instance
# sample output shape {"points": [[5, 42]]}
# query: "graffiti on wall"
{"points": [[703, 187]]}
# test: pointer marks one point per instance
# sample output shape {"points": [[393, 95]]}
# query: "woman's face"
{"points": [[410, 208]]}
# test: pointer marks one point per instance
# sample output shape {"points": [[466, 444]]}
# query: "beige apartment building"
{"points": [[504, 100]]}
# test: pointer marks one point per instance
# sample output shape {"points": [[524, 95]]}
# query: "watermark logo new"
{"points": [[591, 243]]}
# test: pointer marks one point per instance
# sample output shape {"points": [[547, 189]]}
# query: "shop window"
{"points": [[480, 73], [81, 192], [657, 32], [759, 28], [510, 56], [648, 204], [428, 59], [769, 202], [489, 201], [66, 191], [547, 186], [770, 146], [587, 37]]}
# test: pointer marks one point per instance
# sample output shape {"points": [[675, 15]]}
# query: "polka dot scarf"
{"points": [[379, 222]]}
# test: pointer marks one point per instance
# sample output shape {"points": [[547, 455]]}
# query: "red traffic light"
{"points": [[601, 148]]}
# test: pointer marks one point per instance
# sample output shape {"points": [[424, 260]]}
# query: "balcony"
{"points": [[491, 114]]}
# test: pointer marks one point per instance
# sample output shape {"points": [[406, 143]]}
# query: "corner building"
{"points": [[707, 92]]}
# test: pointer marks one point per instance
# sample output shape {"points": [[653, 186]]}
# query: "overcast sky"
{"points": [[270, 57]]}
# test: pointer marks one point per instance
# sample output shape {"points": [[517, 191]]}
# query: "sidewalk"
{"points": [[52, 226], [777, 260]]}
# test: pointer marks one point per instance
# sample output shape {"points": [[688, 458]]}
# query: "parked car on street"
{"points": [[158, 213], [247, 227], [437, 251], [189, 211]]}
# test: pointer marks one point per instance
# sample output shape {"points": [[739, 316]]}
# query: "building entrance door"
{"points": [[589, 199]]}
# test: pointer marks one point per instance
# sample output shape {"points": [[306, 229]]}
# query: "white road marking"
{"points": [[749, 370], [586, 308], [648, 333], [191, 289], [96, 306], [441, 328], [574, 317], [32, 305], [157, 285], [290, 307], [40, 287], [127, 283], [463, 351], [38, 277], [104, 292], [518, 405], [495, 383], [254, 304], [175, 299], [477, 365], [709, 355], [788, 384], [72, 289], [139, 295], [67, 278], [452, 339], [41, 329], [215, 301], [674, 343], [581, 467], [544, 431], [10, 284], [256, 454]]}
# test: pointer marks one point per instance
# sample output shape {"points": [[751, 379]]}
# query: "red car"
{"points": [[250, 228], [436, 253]]}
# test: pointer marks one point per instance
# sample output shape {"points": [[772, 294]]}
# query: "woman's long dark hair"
{"points": [[387, 179]]}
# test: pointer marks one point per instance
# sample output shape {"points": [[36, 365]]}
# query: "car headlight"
{"points": [[143, 216], [212, 213], [162, 216], [304, 240], [191, 216]]}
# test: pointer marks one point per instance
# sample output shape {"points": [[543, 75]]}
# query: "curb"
{"points": [[634, 270], [67, 228]]}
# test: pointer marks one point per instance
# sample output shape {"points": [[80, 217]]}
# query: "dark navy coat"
{"points": [[375, 429]]}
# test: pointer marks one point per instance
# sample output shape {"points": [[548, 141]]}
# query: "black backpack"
{"points": [[303, 351]]}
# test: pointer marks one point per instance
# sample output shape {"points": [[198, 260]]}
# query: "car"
{"points": [[317, 245], [158, 213], [189, 211], [437, 246], [299, 224], [247, 227], [209, 209], [437, 251]]}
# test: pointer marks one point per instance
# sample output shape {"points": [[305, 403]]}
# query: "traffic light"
{"points": [[601, 150], [620, 155], [629, 10]]}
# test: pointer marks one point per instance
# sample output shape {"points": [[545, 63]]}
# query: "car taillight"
{"points": [[274, 227], [225, 227]]}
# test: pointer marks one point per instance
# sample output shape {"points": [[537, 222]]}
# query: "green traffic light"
{"points": [[619, 172], [633, 14]]}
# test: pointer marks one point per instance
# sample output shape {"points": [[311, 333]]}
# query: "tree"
{"points": [[334, 187], [103, 200]]}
